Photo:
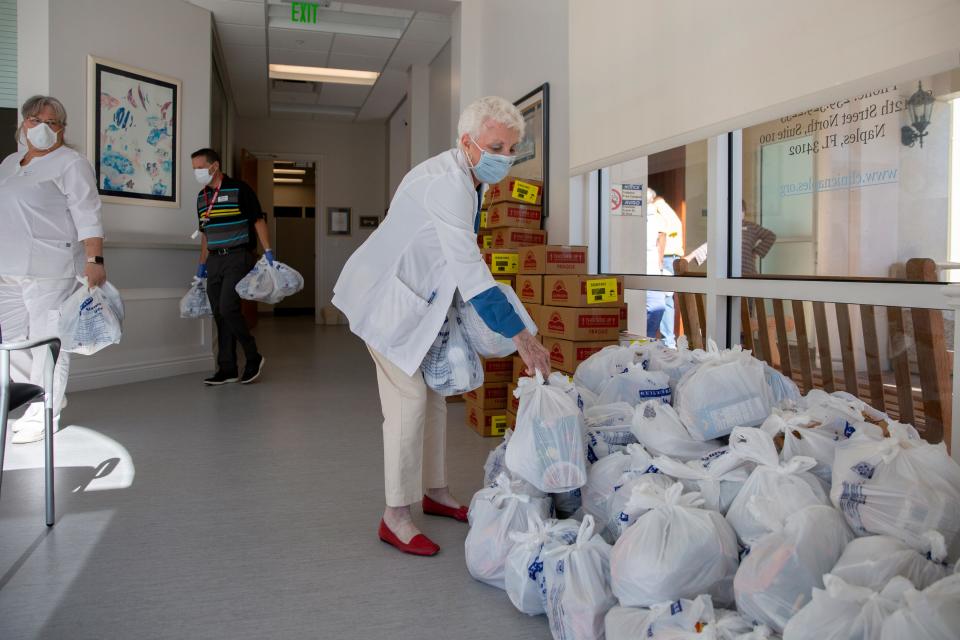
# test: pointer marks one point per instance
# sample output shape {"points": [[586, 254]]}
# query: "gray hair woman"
{"points": [[51, 233]]}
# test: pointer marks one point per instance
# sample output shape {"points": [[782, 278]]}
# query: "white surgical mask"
{"points": [[203, 176], [42, 137]]}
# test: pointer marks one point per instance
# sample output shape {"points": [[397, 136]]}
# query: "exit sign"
{"points": [[304, 12]]}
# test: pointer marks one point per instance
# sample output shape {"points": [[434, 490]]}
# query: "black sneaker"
{"points": [[220, 378], [252, 371]]}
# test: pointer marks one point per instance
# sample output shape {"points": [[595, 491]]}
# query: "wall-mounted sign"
{"points": [[304, 12]]}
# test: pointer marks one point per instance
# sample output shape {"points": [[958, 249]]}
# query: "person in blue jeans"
{"points": [[656, 241], [673, 249]]}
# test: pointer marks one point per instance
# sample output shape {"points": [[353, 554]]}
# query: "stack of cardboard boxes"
{"points": [[511, 219]]}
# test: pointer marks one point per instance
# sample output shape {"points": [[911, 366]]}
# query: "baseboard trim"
{"points": [[140, 372]]}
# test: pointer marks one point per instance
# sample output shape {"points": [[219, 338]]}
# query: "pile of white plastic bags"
{"points": [[713, 500]]}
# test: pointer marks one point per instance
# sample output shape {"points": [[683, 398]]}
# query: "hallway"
{"points": [[237, 512]]}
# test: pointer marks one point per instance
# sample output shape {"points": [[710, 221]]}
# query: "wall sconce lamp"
{"points": [[920, 106]]}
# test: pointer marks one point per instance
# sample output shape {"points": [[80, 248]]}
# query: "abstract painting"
{"points": [[134, 134]]}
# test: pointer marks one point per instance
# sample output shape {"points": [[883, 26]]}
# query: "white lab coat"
{"points": [[47, 209], [397, 287]]}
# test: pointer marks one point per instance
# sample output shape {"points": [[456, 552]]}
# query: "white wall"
{"points": [[352, 174], [441, 129], [398, 137], [646, 76], [148, 253], [510, 47]]}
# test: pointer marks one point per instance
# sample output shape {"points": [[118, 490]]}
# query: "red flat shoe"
{"points": [[419, 545], [433, 508]]}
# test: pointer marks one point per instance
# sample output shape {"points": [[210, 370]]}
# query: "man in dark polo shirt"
{"points": [[231, 220]]}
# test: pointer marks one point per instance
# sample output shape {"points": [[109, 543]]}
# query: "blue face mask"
{"points": [[492, 167]]}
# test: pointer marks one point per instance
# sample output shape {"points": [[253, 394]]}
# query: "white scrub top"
{"points": [[655, 227], [47, 209], [397, 287]]}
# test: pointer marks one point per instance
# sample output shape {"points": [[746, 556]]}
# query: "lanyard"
{"points": [[210, 203]]}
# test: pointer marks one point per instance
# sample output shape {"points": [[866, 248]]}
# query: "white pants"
{"points": [[414, 434], [30, 309]]}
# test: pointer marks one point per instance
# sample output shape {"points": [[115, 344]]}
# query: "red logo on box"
{"points": [[559, 291], [599, 322], [527, 237], [585, 352], [498, 241], [500, 366], [473, 418], [556, 354], [556, 323], [530, 261], [494, 216], [527, 291], [566, 257]]}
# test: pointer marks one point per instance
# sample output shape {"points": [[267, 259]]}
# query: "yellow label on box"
{"points": [[483, 218], [525, 191], [498, 425], [504, 282], [488, 242], [601, 290], [504, 263]]}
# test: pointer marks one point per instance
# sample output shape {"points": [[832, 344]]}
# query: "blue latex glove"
{"points": [[268, 254], [202, 271]]}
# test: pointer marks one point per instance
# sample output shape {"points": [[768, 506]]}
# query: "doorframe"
{"points": [[320, 207]]}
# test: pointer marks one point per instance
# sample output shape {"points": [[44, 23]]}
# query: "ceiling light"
{"points": [[322, 74], [288, 181], [294, 172]]}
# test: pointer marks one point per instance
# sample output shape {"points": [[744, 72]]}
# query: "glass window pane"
{"points": [[858, 187]]}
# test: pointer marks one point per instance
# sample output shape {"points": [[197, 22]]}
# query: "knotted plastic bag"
{"points": [[269, 283], [525, 580], [604, 364], [873, 561], [196, 304], [91, 319], [451, 366], [931, 614], [485, 341], [658, 427], [635, 385], [717, 476]]}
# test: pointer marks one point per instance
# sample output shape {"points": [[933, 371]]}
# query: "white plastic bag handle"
{"points": [[649, 496], [754, 445]]}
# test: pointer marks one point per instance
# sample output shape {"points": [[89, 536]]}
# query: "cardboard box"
{"points": [[486, 422], [623, 317], [510, 281], [497, 369], [518, 368], [566, 355], [512, 189], [501, 262], [553, 259], [514, 214], [579, 324], [536, 313], [514, 237], [511, 420], [529, 289], [491, 395], [583, 291], [484, 241], [513, 403]]}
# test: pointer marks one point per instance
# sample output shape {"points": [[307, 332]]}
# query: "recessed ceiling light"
{"points": [[322, 74], [288, 180], [294, 172]]}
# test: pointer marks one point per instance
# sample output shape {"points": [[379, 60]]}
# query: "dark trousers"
{"points": [[223, 274]]}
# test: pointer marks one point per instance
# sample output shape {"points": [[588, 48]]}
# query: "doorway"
{"points": [[294, 214]]}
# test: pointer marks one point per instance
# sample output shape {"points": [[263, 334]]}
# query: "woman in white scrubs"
{"points": [[51, 233]]}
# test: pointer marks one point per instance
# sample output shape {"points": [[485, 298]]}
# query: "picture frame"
{"points": [[338, 221], [533, 151], [369, 222], [133, 134]]}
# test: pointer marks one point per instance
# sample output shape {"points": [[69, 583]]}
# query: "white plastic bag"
{"points": [[931, 614], [607, 362], [578, 586], [717, 476], [608, 415], [451, 366], [547, 449], [91, 319], [800, 438], [787, 486], [841, 611], [776, 578], [873, 561], [726, 391], [635, 385], [673, 362], [269, 283], [495, 513], [563, 382], [610, 472], [524, 578], [658, 427], [900, 487], [786, 394], [196, 304], [675, 550], [622, 510], [495, 464], [663, 621], [602, 441], [485, 341]]}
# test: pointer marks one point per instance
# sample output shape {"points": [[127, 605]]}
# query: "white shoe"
{"points": [[32, 429]]}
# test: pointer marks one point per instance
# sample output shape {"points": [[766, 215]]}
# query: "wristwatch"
{"points": [[95, 260]]}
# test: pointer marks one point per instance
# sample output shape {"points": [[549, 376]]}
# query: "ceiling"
{"points": [[386, 36]]}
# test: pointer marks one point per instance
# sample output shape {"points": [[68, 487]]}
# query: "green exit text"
{"points": [[304, 12]]}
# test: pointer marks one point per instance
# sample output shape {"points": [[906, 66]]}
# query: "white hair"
{"points": [[495, 108]]}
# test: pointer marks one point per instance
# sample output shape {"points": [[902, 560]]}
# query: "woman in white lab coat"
{"points": [[50, 233], [396, 289]]}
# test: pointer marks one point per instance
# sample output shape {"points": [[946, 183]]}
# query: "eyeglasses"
{"points": [[33, 122]]}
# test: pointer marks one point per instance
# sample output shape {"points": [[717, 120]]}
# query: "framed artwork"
{"points": [[533, 151], [369, 222], [133, 134], [338, 221]]}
